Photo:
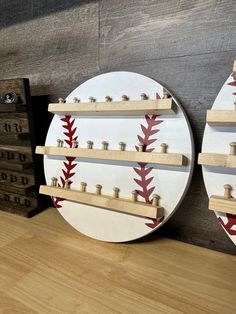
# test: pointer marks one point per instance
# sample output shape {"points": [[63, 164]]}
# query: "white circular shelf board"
{"points": [[216, 140], [170, 183]]}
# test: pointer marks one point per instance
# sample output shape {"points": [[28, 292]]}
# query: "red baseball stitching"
{"points": [[231, 218], [69, 163], [144, 170]]}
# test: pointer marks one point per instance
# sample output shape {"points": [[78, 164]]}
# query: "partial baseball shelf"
{"points": [[221, 117], [224, 204], [169, 159], [165, 106], [123, 205], [220, 204], [234, 70], [219, 160]]}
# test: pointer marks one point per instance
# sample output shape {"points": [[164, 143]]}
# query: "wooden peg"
{"points": [[74, 144], [92, 99], [60, 143], [76, 100], [122, 146], [232, 148], [227, 192], [54, 181], [165, 94], [61, 101], [155, 199], [134, 196], [83, 186], [98, 189], [105, 145], [116, 192], [164, 148], [67, 184], [108, 98], [144, 96], [141, 147], [89, 144], [125, 97]]}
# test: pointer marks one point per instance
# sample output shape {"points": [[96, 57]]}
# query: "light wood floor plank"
{"points": [[51, 268]]}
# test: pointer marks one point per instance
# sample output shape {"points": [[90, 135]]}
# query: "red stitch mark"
{"points": [[232, 84], [69, 163], [144, 170], [230, 223], [231, 218]]}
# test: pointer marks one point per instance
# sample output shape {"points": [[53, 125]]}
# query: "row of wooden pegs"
{"points": [[98, 191], [122, 145], [143, 96]]}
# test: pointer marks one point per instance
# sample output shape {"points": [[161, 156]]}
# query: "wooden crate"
{"points": [[19, 167]]}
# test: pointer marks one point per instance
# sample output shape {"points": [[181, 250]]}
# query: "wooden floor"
{"points": [[48, 267]]}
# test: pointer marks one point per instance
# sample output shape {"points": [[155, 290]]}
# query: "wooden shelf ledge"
{"points": [[116, 108], [170, 159], [221, 117], [222, 204], [218, 160], [117, 204]]}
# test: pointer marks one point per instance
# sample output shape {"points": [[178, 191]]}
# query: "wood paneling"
{"points": [[137, 31], [56, 52], [188, 46]]}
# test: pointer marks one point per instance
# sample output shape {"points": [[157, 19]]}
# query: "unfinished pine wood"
{"points": [[76, 274], [116, 108], [218, 160], [105, 201], [222, 204], [234, 70], [221, 117], [170, 159]]}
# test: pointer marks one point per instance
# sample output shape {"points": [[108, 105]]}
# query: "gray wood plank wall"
{"points": [[187, 45]]}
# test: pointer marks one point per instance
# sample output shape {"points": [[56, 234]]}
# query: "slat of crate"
{"points": [[14, 125], [18, 209], [19, 189], [18, 149], [131, 108], [7, 107], [12, 165], [16, 178], [24, 200], [19, 155]]}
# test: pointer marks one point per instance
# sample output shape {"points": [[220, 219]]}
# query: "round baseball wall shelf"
{"points": [[118, 157], [218, 157]]}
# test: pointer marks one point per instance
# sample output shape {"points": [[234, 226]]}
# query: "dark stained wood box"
{"points": [[21, 171]]}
